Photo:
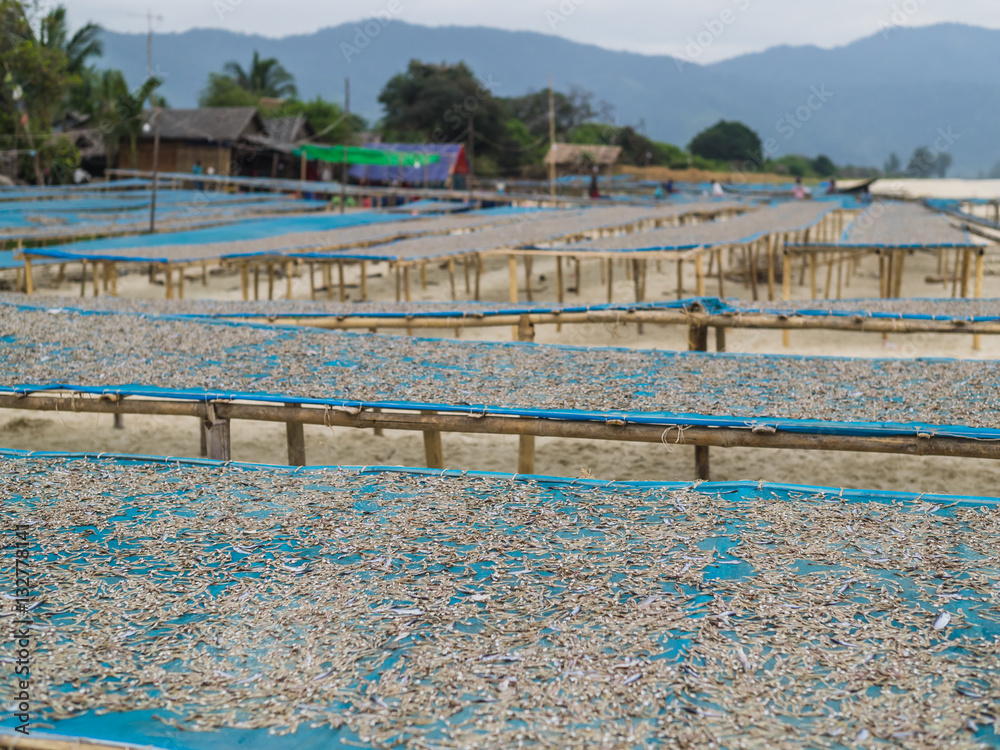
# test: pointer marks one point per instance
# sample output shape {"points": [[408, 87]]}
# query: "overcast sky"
{"points": [[730, 27]]}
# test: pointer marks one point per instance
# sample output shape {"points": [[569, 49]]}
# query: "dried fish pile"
{"points": [[337, 237], [418, 611], [40, 348], [783, 217], [892, 223], [944, 308], [549, 227], [285, 308], [176, 218]]}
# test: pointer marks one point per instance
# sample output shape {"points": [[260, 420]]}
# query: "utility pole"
{"points": [[552, 139], [347, 138], [156, 169], [149, 43], [472, 152]]}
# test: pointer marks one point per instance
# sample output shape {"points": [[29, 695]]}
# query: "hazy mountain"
{"points": [[893, 91]]}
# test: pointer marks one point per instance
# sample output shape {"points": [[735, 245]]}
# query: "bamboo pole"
{"points": [[560, 294], [97, 279], [512, 277], [812, 274], [526, 454], [786, 290], [270, 280], [168, 275], [976, 340], [966, 262], [772, 241], [479, 273], [83, 278], [180, 282], [364, 281], [451, 279], [699, 275], [256, 282], [312, 282], [112, 272], [342, 285], [295, 437], [722, 275], [288, 279], [29, 282], [245, 282], [527, 277]]}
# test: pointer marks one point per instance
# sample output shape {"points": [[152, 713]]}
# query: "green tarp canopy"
{"points": [[370, 156]]}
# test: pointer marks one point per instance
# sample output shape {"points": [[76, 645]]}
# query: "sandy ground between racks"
{"points": [[265, 442]]}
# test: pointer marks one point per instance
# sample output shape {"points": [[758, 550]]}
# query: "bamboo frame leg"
{"points": [[786, 291], [29, 282], [112, 273], [119, 423], [978, 291], [106, 277], [812, 275], [697, 338], [828, 284], [899, 265], [526, 455], [479, 274], [217, 439], [954, 273], [465, 271], [578, 283], [295, 436], [288, 279], [751, 255], [341, 284], [720, 338], [966, 263], [722, 275], [525, 329], [840, 275], [423, 275], [270, 281], [433, 449], [451, 278], [180, 283], [204, 274], [611, 280], [61, 276], [770, 267], [203, 434], [168, 276], [528, 266], [245, 282], [601, 261], [83, 278], [256, 281], [512, 277], [312, 282], [364, 281], [680, 280], [701, 463], [699, 274], [560, 293], [97, 278], [399, 287]]}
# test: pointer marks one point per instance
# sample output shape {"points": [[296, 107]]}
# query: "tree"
{"points": [[995, 172], [264, 78], [434, 103], [78, 48], [892, 165], [571, 111], [728, 141], [119, 112], [926, 162], [223, 91], [326, 118], [637, 149], [823, 166]]}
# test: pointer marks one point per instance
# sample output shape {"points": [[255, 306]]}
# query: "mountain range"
{"points": [[891, 92]]}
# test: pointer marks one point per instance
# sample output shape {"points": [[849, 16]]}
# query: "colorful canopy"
{"points": [[368, 156]]}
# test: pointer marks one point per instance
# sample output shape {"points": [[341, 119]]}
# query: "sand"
{"points": [[265, 443]]}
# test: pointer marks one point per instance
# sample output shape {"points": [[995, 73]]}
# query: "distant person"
{"points": [[196, 169], [832, 187], [659, 193], [669, 187], [717, 191], [800, 192], [595, 191]]}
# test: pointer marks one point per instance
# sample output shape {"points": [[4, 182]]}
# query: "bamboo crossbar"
{"points": [[496, 425]]}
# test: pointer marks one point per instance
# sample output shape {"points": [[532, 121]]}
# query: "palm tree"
{"points": [[265, 78], [78, 48], [119, 112]]}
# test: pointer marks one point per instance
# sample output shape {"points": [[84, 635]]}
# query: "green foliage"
{"points": [[571, 111], [892, 165], [637, 149], [264, 78], [118, 111], [326, 118], [823, 166], [223, 91], [728, 142], [926, 162], [60, 157]]}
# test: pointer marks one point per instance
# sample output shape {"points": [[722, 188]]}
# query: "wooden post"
{"points": [[244, 282], [751, 251], [559, 286], [966, 262], [611, 279], [528, 265], [512, 276], [340, 281], [97, 278], [83, 278], [112, 273], [168, 275], [900, 262], [812, 274], [978, 290], [479, 273], [465, 271], [433, 449], [364, 281], [119, 421], [408, 295], [701, 462], [720, 338], [451, 277], [526, 455], [525, 329], [180, 282], [772, 241], [423, 275], [270, 280], [204, 273], [295, 434], [312, 282], [256, 281], [217, 439], [29, 283], [786, 290], [288, 279], [680, 280], [722, 275], [697, 338], [954, 273], [699, 274]]}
